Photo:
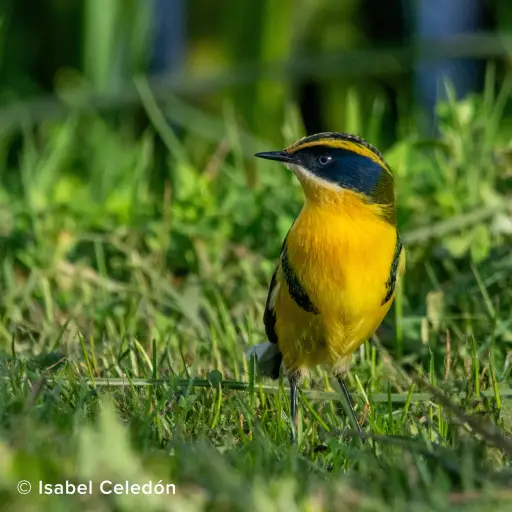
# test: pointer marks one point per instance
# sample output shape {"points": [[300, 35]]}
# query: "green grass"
{"points": [[133, 278]]}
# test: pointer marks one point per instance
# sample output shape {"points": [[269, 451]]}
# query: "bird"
{"points": [[339, 265]]}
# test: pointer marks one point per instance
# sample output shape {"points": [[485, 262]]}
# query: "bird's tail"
{"points": [[268, 358]]}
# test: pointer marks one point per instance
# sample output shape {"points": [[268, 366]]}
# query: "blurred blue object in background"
{"points": [[437, 20], [169, 36]]}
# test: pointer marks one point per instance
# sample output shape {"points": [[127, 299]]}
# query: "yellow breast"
{"points": [[342, 258]]}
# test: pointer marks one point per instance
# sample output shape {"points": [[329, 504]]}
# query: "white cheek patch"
{"points": [[302, 172], [299, 171], [294, 168]]}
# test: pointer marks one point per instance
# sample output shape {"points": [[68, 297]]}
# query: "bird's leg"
{"points": [[293, 405], [349, 401]]}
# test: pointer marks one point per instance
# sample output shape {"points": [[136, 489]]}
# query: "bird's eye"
{"points": [[324, 160]]}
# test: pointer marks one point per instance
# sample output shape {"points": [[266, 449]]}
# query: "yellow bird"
{"points": [[340, 262]]}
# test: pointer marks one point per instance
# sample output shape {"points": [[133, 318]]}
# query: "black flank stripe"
{"points": [[391, 282], [269, 316], [297, 292]]}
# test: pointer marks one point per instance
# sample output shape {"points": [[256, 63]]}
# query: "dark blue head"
{"points": [[342, 167], [344, 160]]}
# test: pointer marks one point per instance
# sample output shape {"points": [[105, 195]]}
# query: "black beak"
{"points": [[280, 156]]}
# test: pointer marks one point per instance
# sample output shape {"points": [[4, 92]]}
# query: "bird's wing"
{"points": [[269, 316], [397, 268], [295, 289]]}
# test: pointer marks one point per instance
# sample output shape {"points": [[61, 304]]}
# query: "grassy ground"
{"points": [[110, 282]]}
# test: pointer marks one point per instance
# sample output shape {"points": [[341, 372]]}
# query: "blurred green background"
{"points": [[138, 236], [107, 106], [259, 55]]}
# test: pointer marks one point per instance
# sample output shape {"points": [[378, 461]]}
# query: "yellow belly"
{"points": [[343, 261]]}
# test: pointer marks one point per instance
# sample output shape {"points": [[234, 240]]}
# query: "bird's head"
{"points": [[337, 167]]}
